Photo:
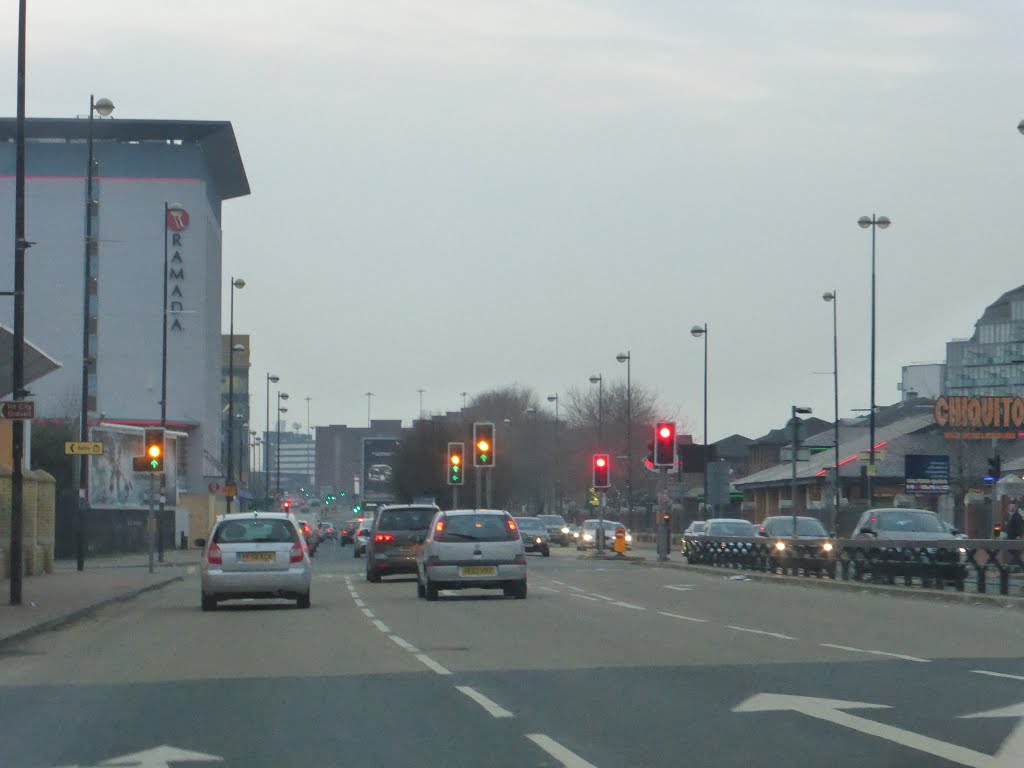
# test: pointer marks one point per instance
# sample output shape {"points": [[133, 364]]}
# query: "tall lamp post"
{"points": [[238, 283], [697, 332], [309, 443], [558, 458], [626, 357], [833, 298], [875, 223], [103, 107], [271, 379], [795, 426], [277, 440], [368, 396]]}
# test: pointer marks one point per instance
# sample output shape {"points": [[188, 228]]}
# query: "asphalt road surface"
{"points": [[605, 664]]}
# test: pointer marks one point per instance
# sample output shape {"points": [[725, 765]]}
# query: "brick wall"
{"points": [[39, 497]]}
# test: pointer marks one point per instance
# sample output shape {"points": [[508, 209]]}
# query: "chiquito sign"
{"points": [[980, 418]]}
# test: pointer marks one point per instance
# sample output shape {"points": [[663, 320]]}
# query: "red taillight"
{"points": [[383, 538], [296, 553], [213, 556], [521, 560], [439, 531], [511, 524]]}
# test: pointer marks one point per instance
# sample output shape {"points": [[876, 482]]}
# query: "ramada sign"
{"points": [[177, 222], [980, 418]]}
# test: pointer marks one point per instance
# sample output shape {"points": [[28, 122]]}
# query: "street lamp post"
{"points": [[626, 357], [795, 424], [309, 442], [271, 378], [368, 396], [558, 457], [277, 441], [232, 348], [833, 298], [875, 223], [104, 107], [697, 332]]}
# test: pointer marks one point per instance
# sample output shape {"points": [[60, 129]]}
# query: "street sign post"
{"points": [[87, 448], [23, 410]]}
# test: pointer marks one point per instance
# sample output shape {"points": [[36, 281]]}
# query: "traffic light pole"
{"points": [[665, 511], [455, 497], [478, 479], [490, 490], [151, 519]]}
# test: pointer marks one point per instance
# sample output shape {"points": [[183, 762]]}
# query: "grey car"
{"points": [[255, 555], [557, 529], [396, 538], [472, 549], [534, 534]]}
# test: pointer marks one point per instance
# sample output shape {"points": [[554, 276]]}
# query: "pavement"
{"points": [[604, 665], [66, 595]]}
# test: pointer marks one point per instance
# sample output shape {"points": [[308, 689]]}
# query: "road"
{"points": [[605, 664]]}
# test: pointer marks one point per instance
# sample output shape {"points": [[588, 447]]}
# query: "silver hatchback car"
{"points": [[257, 555], [472, 549]]}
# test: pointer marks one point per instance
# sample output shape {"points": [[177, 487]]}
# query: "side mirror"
{"points": [[200, 542], [867, 530], [954, 531]]}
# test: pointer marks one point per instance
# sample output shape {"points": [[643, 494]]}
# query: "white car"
{"points": [[472, 549], [588, 534], [255, 555]]}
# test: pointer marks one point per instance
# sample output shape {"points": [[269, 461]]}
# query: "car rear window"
{"points": [[530, 524], [477, 528], [804, 527], [405, 519], [551, 520], [255, 532]]}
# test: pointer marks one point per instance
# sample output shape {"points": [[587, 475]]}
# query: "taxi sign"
{"points": [[83, 448]]}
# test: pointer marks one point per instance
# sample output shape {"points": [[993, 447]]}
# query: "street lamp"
{"points": [[558, 458], [271, 378], [280, 409], [875, 223], [833, 298], [626, 357], [238, 283], [794, 424], [368, 396], [103, 107], [697, 332]]}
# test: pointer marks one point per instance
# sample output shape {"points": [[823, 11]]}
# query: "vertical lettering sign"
{"points": [[177, 223]]}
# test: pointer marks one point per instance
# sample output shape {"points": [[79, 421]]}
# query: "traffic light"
{"points": [[665, 444], [483, 444], [649, 458], [456, 463], [602, 470], [995, 466], [153, 458]]}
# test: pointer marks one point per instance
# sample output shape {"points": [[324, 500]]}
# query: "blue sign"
{"points": [[926, 474]]}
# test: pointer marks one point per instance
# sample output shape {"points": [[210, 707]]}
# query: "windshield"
{"points": [[551, 520], [906, 520], [530, 524], [482, 527], [726, 528], [255, 532], [805, 526], [410, 519]]}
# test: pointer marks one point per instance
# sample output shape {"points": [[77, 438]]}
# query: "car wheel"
{"points": [[520, 591], [355, 551], [430, 591], [372, 576], [209, 602], [420, 590], [302, 601], [546, 552]]}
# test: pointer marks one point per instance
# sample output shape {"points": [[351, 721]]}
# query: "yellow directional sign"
{"points": [[83, 448], [230, 489]]}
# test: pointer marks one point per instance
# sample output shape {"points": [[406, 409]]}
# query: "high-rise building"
{"points": [[991, 361]]}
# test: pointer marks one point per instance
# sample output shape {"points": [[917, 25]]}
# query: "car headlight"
{"points": [[827, 546], [588, 537], [961, 550], [537, 540], [575, 534], [628, 537], [780, 545], [565, 530]]}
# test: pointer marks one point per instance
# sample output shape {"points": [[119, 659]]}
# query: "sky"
{"points": [[459, 195]]}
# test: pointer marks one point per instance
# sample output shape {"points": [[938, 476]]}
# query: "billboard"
{"points": [[926, 474], [112, 482], [980, 418], [380, 456]]}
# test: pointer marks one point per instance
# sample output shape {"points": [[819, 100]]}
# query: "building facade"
{"points": [[991, 361], [236, 394], [339, 453], [141, 167]]}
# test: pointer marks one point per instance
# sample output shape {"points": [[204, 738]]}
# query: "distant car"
{"points": [[820, 556], [588, 534], [695, 528], [908, 524], [574, 533], [348, 532], [558, 531], [326, 531], [721, 529], [729, 526], [534, 535], [308, 537], [472, 549], [255, 555], [362, 536], [396, 538]]}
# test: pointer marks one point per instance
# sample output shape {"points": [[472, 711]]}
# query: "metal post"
{"points": [[477, 472], [151, 519], [629, 442], [661, 531], [871, 417], [277, 442], [369, 423], [309, 444], [231, 396], [837, 488], [163, 385], [18, 362], [792, 491], [490, 489], [706, 495], [455, 497], [266, 453]]}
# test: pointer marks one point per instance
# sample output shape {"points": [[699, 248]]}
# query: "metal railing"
{"points": [[933, 564]]}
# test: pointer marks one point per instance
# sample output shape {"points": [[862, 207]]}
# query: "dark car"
{"points": [[347, 534], [942, 561], [557, 529], [804, 544], [534, 535], [396, 538], [695, 528]]}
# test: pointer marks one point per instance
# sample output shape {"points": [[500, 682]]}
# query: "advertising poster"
{"points": [[380, 454], [926, 474], [112, 482]]}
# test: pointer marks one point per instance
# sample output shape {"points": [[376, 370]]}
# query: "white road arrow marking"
{"points": [[831, 710], [1011, 753], [161, 757], [680, 587]]}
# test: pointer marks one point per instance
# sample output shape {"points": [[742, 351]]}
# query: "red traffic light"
{"points": [[601, 461], [665, 444], [601, 470], [664, 431]]}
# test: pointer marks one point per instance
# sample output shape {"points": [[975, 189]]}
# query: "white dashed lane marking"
{"points": [[404, 644], [494, 710], [566, 757], [431, 664], [875, 653], [997, 674], [779, 635], [629, 605], [684, 618], [584, 597], [381, 626]]}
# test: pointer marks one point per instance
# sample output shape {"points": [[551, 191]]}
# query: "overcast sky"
{"points": [[456, 195]]}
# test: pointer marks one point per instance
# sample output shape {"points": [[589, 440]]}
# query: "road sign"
{"points": [[866, 455], [18, 409], [802, 454], [88, 448], [230, 490]]}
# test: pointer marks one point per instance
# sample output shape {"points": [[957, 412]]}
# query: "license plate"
{"points": [[257, 557], [478, 570]]}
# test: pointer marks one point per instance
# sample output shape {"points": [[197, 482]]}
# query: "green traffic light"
{"points": [[154, 463]]}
